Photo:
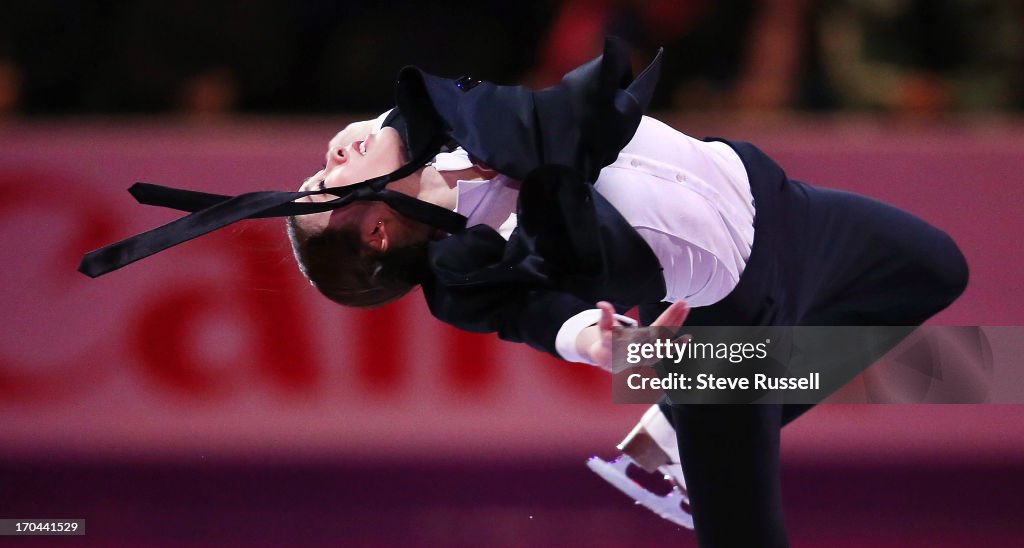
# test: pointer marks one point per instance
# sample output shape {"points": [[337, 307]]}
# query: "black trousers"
{"points": [[820, 257]]}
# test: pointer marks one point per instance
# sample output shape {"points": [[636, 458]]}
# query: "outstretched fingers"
{"points": [[601, 348], [674, 315], [607, 321], [605, 324]]}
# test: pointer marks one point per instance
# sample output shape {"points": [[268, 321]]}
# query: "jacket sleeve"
{"points": [[581, 123], [523, 315]]}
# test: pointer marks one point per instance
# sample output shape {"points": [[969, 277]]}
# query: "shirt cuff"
{"points": [[565, 341]]}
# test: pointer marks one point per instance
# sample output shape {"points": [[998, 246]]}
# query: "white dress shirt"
{"points": [[690, 201]]}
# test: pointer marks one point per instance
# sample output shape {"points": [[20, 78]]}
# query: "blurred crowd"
{"points": [[210, 58]]}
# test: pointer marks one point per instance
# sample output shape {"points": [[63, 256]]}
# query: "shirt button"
{"points": [[634, 162], [680, 177]]}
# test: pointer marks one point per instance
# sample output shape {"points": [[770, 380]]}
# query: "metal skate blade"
{"points": [[667, 507]]}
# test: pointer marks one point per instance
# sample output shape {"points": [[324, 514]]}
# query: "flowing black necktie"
{"points": [[209, 212]]}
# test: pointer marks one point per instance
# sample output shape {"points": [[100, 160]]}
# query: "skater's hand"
{"points": [[595, 342]]}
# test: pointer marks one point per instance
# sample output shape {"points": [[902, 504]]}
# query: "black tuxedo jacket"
{"points": [[571, 248]]}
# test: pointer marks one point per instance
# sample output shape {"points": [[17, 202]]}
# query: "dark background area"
{"points": [[313, 56]]}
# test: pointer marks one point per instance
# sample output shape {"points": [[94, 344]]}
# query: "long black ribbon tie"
{"points": [[209, 212]]}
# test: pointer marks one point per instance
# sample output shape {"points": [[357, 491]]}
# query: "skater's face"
{"points": [[354, 155]]}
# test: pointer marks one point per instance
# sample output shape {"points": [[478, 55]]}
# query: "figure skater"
{"points": [[650, 445]]}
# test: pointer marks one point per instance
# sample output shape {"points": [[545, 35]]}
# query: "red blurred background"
{"points": [[209, 394]]}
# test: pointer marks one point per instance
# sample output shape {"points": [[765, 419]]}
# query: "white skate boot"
{"points": [[667, 499]]}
